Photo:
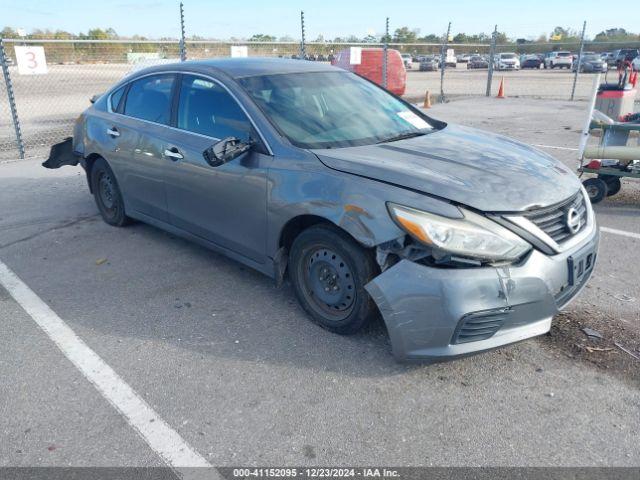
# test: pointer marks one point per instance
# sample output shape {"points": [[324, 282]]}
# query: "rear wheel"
{"points": [[329, 270], [613, 184], [596, 189], [107, 194]]}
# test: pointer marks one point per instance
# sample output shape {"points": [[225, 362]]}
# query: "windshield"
{"points": [[507, 55], [332, 109], [591, 58]]}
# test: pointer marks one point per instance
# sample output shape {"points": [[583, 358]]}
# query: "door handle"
{"points": [[113, 132], [173, 153]]}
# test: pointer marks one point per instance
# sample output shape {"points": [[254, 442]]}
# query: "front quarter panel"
{"points": [[299, 184]]}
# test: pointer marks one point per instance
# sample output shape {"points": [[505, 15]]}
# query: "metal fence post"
{"points": [[12, 100], [385, 49], [183, 47], [575, 75], [443, 63], [303, 53], [492, 53]]}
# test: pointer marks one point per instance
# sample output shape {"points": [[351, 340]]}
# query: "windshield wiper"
{"points": [[402, 136]]}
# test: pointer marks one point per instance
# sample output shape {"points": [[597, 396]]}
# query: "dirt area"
{"points": [[610, 343]]}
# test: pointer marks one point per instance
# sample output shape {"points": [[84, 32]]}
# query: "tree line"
{"points": [[400, 35]]}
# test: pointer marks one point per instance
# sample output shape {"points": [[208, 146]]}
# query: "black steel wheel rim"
{"points": [[107, 193], [329, 283]]}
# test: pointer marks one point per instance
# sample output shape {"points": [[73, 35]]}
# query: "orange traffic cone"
{"points": [[427, 100], [501, 89]]}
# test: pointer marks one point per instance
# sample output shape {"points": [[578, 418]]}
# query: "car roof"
{"points": [[244, 67]]}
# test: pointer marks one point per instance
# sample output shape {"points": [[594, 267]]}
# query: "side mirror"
{"points": [[226, 150]]}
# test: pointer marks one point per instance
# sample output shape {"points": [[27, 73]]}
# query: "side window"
{"points": [[116, 97], [149, 98], [207, 108]]}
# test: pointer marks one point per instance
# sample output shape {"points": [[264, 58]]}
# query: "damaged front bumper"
{"points": [[442, 313]]}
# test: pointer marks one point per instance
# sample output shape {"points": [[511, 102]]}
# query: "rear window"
{"points": [[564, 54]]}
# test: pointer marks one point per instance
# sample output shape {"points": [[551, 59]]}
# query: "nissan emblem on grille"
{"points": [[563, 220], [573, 220]]}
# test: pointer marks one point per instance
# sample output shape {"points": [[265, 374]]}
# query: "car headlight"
{"points": [[472, 236]]}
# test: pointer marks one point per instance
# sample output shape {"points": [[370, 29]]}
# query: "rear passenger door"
{"points": [[226, 204], [147, 110]]}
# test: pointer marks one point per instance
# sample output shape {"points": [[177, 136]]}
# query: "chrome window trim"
{"points": [[196, 74], [532, 228]]}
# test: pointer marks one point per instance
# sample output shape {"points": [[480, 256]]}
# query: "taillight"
{"points": [[594, 164]]}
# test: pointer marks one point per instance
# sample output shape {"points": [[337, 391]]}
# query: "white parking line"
{"points": [[557, 148], [624, 233], [162, 439]]}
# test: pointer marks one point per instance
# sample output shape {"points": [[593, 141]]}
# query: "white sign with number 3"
{"points": [[31, 60]]}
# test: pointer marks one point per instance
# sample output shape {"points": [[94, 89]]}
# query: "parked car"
{"points": [[371, 67], [429, 63], [626, 55], [476, 61], [408, 61], [609, 57], [450, 59], [530, 61], [591, 63], [463, 58], [558, 60], [462, 240], [507, 61]]}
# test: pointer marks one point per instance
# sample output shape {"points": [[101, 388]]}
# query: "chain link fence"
{"points": [[48, 104]]}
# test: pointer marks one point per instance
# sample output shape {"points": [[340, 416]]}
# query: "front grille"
{"points": [[553, 220], [479, 325]]}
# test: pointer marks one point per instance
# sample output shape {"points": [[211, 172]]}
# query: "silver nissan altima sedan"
{"points": [[462, 240]]}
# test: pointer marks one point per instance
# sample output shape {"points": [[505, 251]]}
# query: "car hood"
{"points": [[483, 170]]}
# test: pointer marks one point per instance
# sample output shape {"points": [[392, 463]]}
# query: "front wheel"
{"points": [[329, 270]]}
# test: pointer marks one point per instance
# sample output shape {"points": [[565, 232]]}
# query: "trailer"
{"points": [[613, 158]]}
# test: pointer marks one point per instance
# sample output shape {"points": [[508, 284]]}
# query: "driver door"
{"points": [[226, 204]]}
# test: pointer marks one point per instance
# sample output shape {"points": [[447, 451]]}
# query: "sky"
{"points": [[330, 18]]}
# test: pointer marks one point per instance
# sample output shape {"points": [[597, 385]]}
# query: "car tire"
{"points": [[107, 194], [613, 184], [328, 270], [596, 189]]}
